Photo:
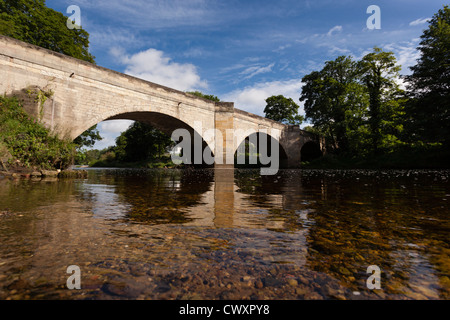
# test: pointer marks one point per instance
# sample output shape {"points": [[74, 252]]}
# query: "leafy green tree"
{"points": [[429, 84], [204, 96], [33, 22], [336, 102], [380, 71], [141, 142], [88, 138], [282, 109], [29, 142]]}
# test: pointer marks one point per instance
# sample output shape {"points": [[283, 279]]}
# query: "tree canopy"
{"points": [[379, 73], [33, 22], [88, 138], [282, 109], [141, 142], [335, 101], [356, 105], [429, 84]]}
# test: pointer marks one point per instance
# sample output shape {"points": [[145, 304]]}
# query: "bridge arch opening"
{"points": [[310, 151], [248, 153], [166, 124]]}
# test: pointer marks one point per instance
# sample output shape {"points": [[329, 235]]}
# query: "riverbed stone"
{"points": [[49, 173]]}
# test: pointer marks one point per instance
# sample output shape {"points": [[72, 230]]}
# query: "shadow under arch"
{"points": [[310, 151], [166, 124], [250, 147]]}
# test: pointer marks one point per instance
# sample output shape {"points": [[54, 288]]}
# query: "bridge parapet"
{"points": [[81, 94]]}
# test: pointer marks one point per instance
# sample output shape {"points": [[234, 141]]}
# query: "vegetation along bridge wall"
{"points": [[69, 96]]}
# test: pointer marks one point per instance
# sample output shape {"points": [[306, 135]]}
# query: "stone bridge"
{"points": [[69, 96]]}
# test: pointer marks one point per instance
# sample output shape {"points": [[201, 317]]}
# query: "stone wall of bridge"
{"points": [[75, 95]]}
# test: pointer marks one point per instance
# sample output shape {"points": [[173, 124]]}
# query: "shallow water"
{"points": [[227, 234]]}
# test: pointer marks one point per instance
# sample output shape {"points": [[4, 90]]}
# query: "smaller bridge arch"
{"points": [[84, 94]]}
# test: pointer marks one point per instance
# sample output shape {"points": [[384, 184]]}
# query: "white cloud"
{"points": [[406, 54], [252, 98], [334, 29], [115, 126], [155, 13], [110, 130], [282, 48], [152, 65], [419, 21], [253, 71]]}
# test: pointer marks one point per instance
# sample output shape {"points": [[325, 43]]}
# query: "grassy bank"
{"points": [[25, 144], [422, 157]]}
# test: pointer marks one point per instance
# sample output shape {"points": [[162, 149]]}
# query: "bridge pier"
{"points": [[224, 142], [81, 94]]}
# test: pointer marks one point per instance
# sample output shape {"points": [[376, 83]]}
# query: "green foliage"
{"points": [[40, 96], [88, 138], [29, 141], [429, 85], [205, 96], [282, 109], [356, 105], [403, 156], [141, 145], [33, 22], [379, 71], [336, 103], [141, 142]]}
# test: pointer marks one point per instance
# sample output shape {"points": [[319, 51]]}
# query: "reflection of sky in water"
{"points": [[105, 202]]}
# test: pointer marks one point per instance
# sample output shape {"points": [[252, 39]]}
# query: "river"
{"points": [[227, 234]]}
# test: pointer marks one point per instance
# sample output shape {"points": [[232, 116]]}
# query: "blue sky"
{"points": [[241, 51]]}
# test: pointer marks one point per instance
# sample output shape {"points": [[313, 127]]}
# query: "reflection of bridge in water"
{"points": [[232, 205], [226, 221]]}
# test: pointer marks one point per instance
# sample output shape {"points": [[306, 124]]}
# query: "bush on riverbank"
{"points": [[30, 144], [418, 156]]}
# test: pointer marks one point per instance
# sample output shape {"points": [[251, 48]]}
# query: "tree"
{"points": [[282, 109], [429, 84], [380, 71], [141, 142], [88, 138], [204, 96], [336, 102], [33, 22]]}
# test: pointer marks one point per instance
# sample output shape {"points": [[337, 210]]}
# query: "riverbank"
{"points": [[44, 174], [27, 146], [413, 158], [157, 163]]}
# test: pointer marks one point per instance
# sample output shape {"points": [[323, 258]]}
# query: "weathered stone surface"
{"points": [[49, 173], [84, 94]]}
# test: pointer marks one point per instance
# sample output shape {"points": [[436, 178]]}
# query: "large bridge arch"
{"points": [[81, 94], [167, 124], [268, 138]]}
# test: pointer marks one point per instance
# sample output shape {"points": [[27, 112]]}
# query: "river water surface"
{"points": [[227, 234]]}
